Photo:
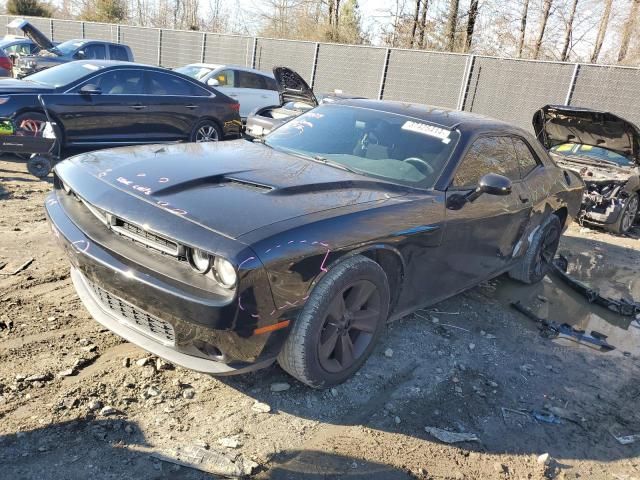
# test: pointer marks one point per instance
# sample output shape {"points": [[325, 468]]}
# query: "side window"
{"points": [[118, 82], [251, 80], [118, 52], [525, 156], [163, 84], [271, 83], [226, 78], [487, 155], [94, 51]]}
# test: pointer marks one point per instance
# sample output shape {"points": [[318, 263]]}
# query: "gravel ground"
{"points": [[77, 402]]}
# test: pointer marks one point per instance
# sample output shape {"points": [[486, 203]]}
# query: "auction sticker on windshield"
{"points": [[431, 130]]}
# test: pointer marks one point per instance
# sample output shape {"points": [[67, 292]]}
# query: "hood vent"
{"points": [[248, 184]]}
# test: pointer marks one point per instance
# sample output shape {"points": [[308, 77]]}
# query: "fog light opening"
{"points": [[211, 351]]}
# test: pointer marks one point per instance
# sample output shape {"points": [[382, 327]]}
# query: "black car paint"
{"points": [[284, 222], [105, 119]]}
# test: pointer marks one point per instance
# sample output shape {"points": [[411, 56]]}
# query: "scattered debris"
{"points": [[388, 353], [209, 461], [189, 393], [553, 329], [451, 437], [38, 377], [108, 410], [69, 372], [230, 442], [544, 459], [280, 387], [95, 405], [621, 307], [260, 407], [455, 326], [627, 439], [17, 270], [549, 418]]}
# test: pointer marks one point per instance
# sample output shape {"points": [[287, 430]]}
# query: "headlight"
{"points": [[224, 272], [200, 261], [4, 100]]}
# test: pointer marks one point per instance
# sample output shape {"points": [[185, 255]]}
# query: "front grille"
{"points": [[134, 317], [145, 237]]}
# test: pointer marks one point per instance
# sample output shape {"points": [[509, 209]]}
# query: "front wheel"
{"points": [[537, 261], [339, 325], [627, 216], [206, 131]]}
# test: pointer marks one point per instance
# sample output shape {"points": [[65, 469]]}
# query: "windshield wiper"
{"points": [[326, 161]]}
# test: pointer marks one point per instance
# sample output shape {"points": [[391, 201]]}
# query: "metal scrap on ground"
{"points": [[451, 437], [18, 269]]}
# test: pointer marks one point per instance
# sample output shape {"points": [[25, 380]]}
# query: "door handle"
{"points": [[191, 107], [137, 106]]}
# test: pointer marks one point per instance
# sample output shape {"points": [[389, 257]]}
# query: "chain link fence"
{"points": [[507, 89]]}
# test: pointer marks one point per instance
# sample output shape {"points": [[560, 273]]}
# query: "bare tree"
{"points": [[416, 14], [546, 10], [471, 24], [634, 11], [568, 34], [423, 23], [452, 23], [602, 30], [523, 26]]}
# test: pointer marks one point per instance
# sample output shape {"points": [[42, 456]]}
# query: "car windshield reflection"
{"points": [[382, 145]]}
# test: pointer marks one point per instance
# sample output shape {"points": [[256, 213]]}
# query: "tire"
{"points": [[38, 117], [536, 262], [322, 319], [39, 166], [206, 131], [627, 216]]}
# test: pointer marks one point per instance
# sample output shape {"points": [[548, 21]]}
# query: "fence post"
{"points": [[118, 34], [313, 66], [82, 29], [464, 88], [204, 45], [254, 52], [383, 76], [51, 29], [159, 47], [572, 84]]}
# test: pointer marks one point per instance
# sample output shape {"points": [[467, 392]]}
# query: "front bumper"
{"points": [[163, 317]]}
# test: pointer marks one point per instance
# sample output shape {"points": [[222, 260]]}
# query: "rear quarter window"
{"points": [[118, 52]]}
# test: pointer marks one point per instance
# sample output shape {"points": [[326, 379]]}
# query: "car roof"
{"points": [[87, 40], [441, 116], [215, 66]]}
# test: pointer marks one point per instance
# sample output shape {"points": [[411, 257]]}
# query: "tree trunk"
{"points": [[452, 22], [569, 32], [634, 11], [416, 14], [523, 26], [546, 9], [337, 12], [471, 23], [602, 30], [423, 22]]}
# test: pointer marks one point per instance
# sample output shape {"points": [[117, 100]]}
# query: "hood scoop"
{"points": [[211, 181]]}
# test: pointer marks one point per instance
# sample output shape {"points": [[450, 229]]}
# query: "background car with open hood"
{"points": [[51, 54], [252, 88], [108, 103], [605, 150]]}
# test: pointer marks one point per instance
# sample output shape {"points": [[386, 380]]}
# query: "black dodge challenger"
{"points": [[223, 257]]}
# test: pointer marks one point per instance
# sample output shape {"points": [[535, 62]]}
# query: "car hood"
{"points": [[41, 60], [31, 32], [292, 87], [11, 85], [557, 124], [231, 188]]}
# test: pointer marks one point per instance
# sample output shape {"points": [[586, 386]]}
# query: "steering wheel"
{"points": [[420, 164]]}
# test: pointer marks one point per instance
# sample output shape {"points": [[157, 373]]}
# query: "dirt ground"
{"points": [[77, 402]]}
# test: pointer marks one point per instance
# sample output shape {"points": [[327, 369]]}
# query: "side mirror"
{"points": [[212, 82], [90, 89], [79, 55], [491, 184]]}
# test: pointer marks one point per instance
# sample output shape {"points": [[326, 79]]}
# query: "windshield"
{"points": [[67, 48], [194, 71], [64, 74], [591, 152], [379, 144]]}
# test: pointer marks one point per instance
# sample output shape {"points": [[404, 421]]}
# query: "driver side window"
{"points": [[225, 78], [487, 155]]}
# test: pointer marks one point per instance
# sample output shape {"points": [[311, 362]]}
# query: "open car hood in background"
{"points": [[557, 124], [292, 87], [32, 33]]}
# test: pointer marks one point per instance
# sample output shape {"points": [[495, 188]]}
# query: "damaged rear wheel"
{"points": [[627, 216], [536, 262]]}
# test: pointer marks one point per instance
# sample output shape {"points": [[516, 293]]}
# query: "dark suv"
{"points": [[51, 54]]}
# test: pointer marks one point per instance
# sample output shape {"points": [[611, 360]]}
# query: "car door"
{"points": [[480, 236], [115, 115], [254, 92], [174, 106]]}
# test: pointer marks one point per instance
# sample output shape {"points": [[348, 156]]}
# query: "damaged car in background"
{"points": [[296, 97], [225, 257], [605, 150]]}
